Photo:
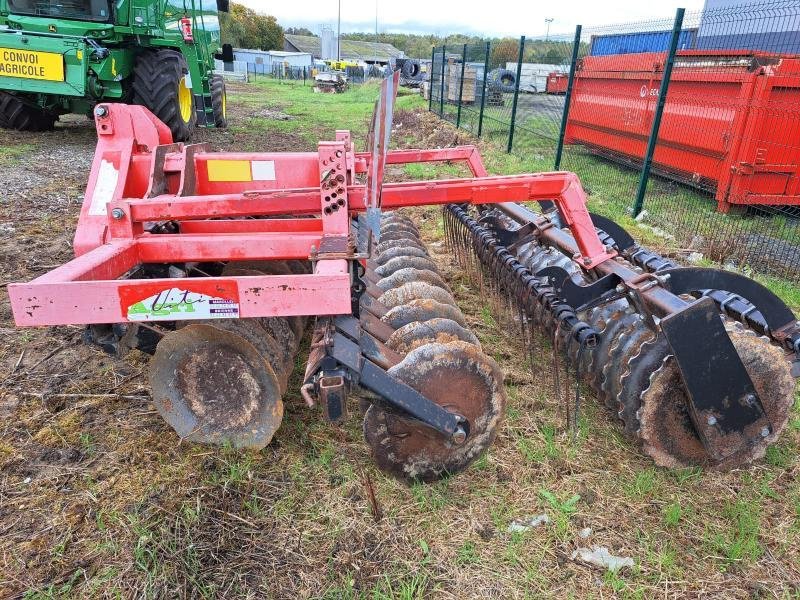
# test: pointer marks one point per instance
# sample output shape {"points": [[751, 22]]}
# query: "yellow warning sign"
{"points": [[27, 64]]}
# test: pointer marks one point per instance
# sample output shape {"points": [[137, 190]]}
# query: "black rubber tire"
{"points": [[410, 69], [218, 101], [156, 82], [16, 114], [502, 79]]}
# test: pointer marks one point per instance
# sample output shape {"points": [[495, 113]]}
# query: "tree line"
{"points": [[503, 50], [243, 27]]}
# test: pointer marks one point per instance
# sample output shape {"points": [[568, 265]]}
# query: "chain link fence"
{"points": [[689, 124]]}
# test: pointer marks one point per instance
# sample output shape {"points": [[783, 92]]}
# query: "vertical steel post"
{"points": [[483, 88], [461, 85], [516, 95], [567, 98], [430, 79], [662, 99], [441, 89]]}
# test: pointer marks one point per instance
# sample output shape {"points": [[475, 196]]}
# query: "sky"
{"points": [[495, 18]]}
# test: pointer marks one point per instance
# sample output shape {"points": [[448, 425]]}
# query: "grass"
{"points": [[116, 507]]}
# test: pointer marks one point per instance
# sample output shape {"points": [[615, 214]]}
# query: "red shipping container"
{"points": [[557, 83], [731, 122]]}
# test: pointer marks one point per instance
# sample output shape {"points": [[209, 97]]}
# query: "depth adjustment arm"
{"points": [[353, 357]]}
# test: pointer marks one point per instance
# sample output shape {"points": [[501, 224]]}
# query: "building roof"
{"points": [[271, 52], [349, 49]]}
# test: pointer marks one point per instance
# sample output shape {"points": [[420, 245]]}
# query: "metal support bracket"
{"points": [[577, 295], [722, 400], [352, 350]]}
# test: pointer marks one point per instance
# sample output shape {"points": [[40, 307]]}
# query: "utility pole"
{"points": [[547, 20], [376, 21], [339, 35]]}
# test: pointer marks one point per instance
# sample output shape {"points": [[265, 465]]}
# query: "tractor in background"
{"points": [[67, 56]]}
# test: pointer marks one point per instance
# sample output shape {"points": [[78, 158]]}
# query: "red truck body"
{"points": [[731, 122]]}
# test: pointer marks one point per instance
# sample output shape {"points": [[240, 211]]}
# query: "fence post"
{"points": [[441, 88], [430, 84], [567, 98], [483, 88], [461, 85], [516, 95], [662, 99]]}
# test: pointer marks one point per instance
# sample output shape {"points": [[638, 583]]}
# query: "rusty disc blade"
{"points": [[415, 290], [457, 376], [212, 386], [408, 275], [405, 262], [279, 356], [417, 334], [422, 310], [400, 251], [399, 244], [667, 430], [393, 228]]}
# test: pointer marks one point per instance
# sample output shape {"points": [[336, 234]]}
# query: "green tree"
{"points": [[300, 31], [243, 27], [505, 51]]}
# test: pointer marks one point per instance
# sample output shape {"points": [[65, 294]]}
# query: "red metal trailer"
{"points": [[731, 123], [557, 83]]}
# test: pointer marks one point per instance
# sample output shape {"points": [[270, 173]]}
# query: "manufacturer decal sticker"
{"points": [[189, 300]]}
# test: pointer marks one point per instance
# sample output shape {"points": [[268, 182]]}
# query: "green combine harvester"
{"points": [[65, 56]]}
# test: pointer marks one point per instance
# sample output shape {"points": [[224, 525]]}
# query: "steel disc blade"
{"points": [[415, 290], [212, 386], [422, 310], [400, 244], [393, 228], [404, 251], [456, 376], [408, 275], [417, 334], [279, 356], [399, 235], [405, 262], [667, 431]]}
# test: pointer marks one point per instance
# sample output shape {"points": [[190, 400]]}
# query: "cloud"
{"points": [[489, 19]]}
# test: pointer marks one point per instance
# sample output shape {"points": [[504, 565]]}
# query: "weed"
{"points": [[487, 317], [738, 541], [562, 509], [672, 514], [87, 443], [781, 455], [467, 553], [431, 496], [410, 587], [614, 580], [642, 484]]}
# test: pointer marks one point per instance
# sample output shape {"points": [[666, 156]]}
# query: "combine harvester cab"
{"points": [[213, 262]]}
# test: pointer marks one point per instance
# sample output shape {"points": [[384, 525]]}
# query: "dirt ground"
{"points": [[98, 497]]}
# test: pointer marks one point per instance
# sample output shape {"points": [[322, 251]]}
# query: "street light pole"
{"points": [[339, 35], [547, 20]]}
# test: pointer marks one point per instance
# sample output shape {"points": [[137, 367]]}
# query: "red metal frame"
{"points": [[222, 203]]}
